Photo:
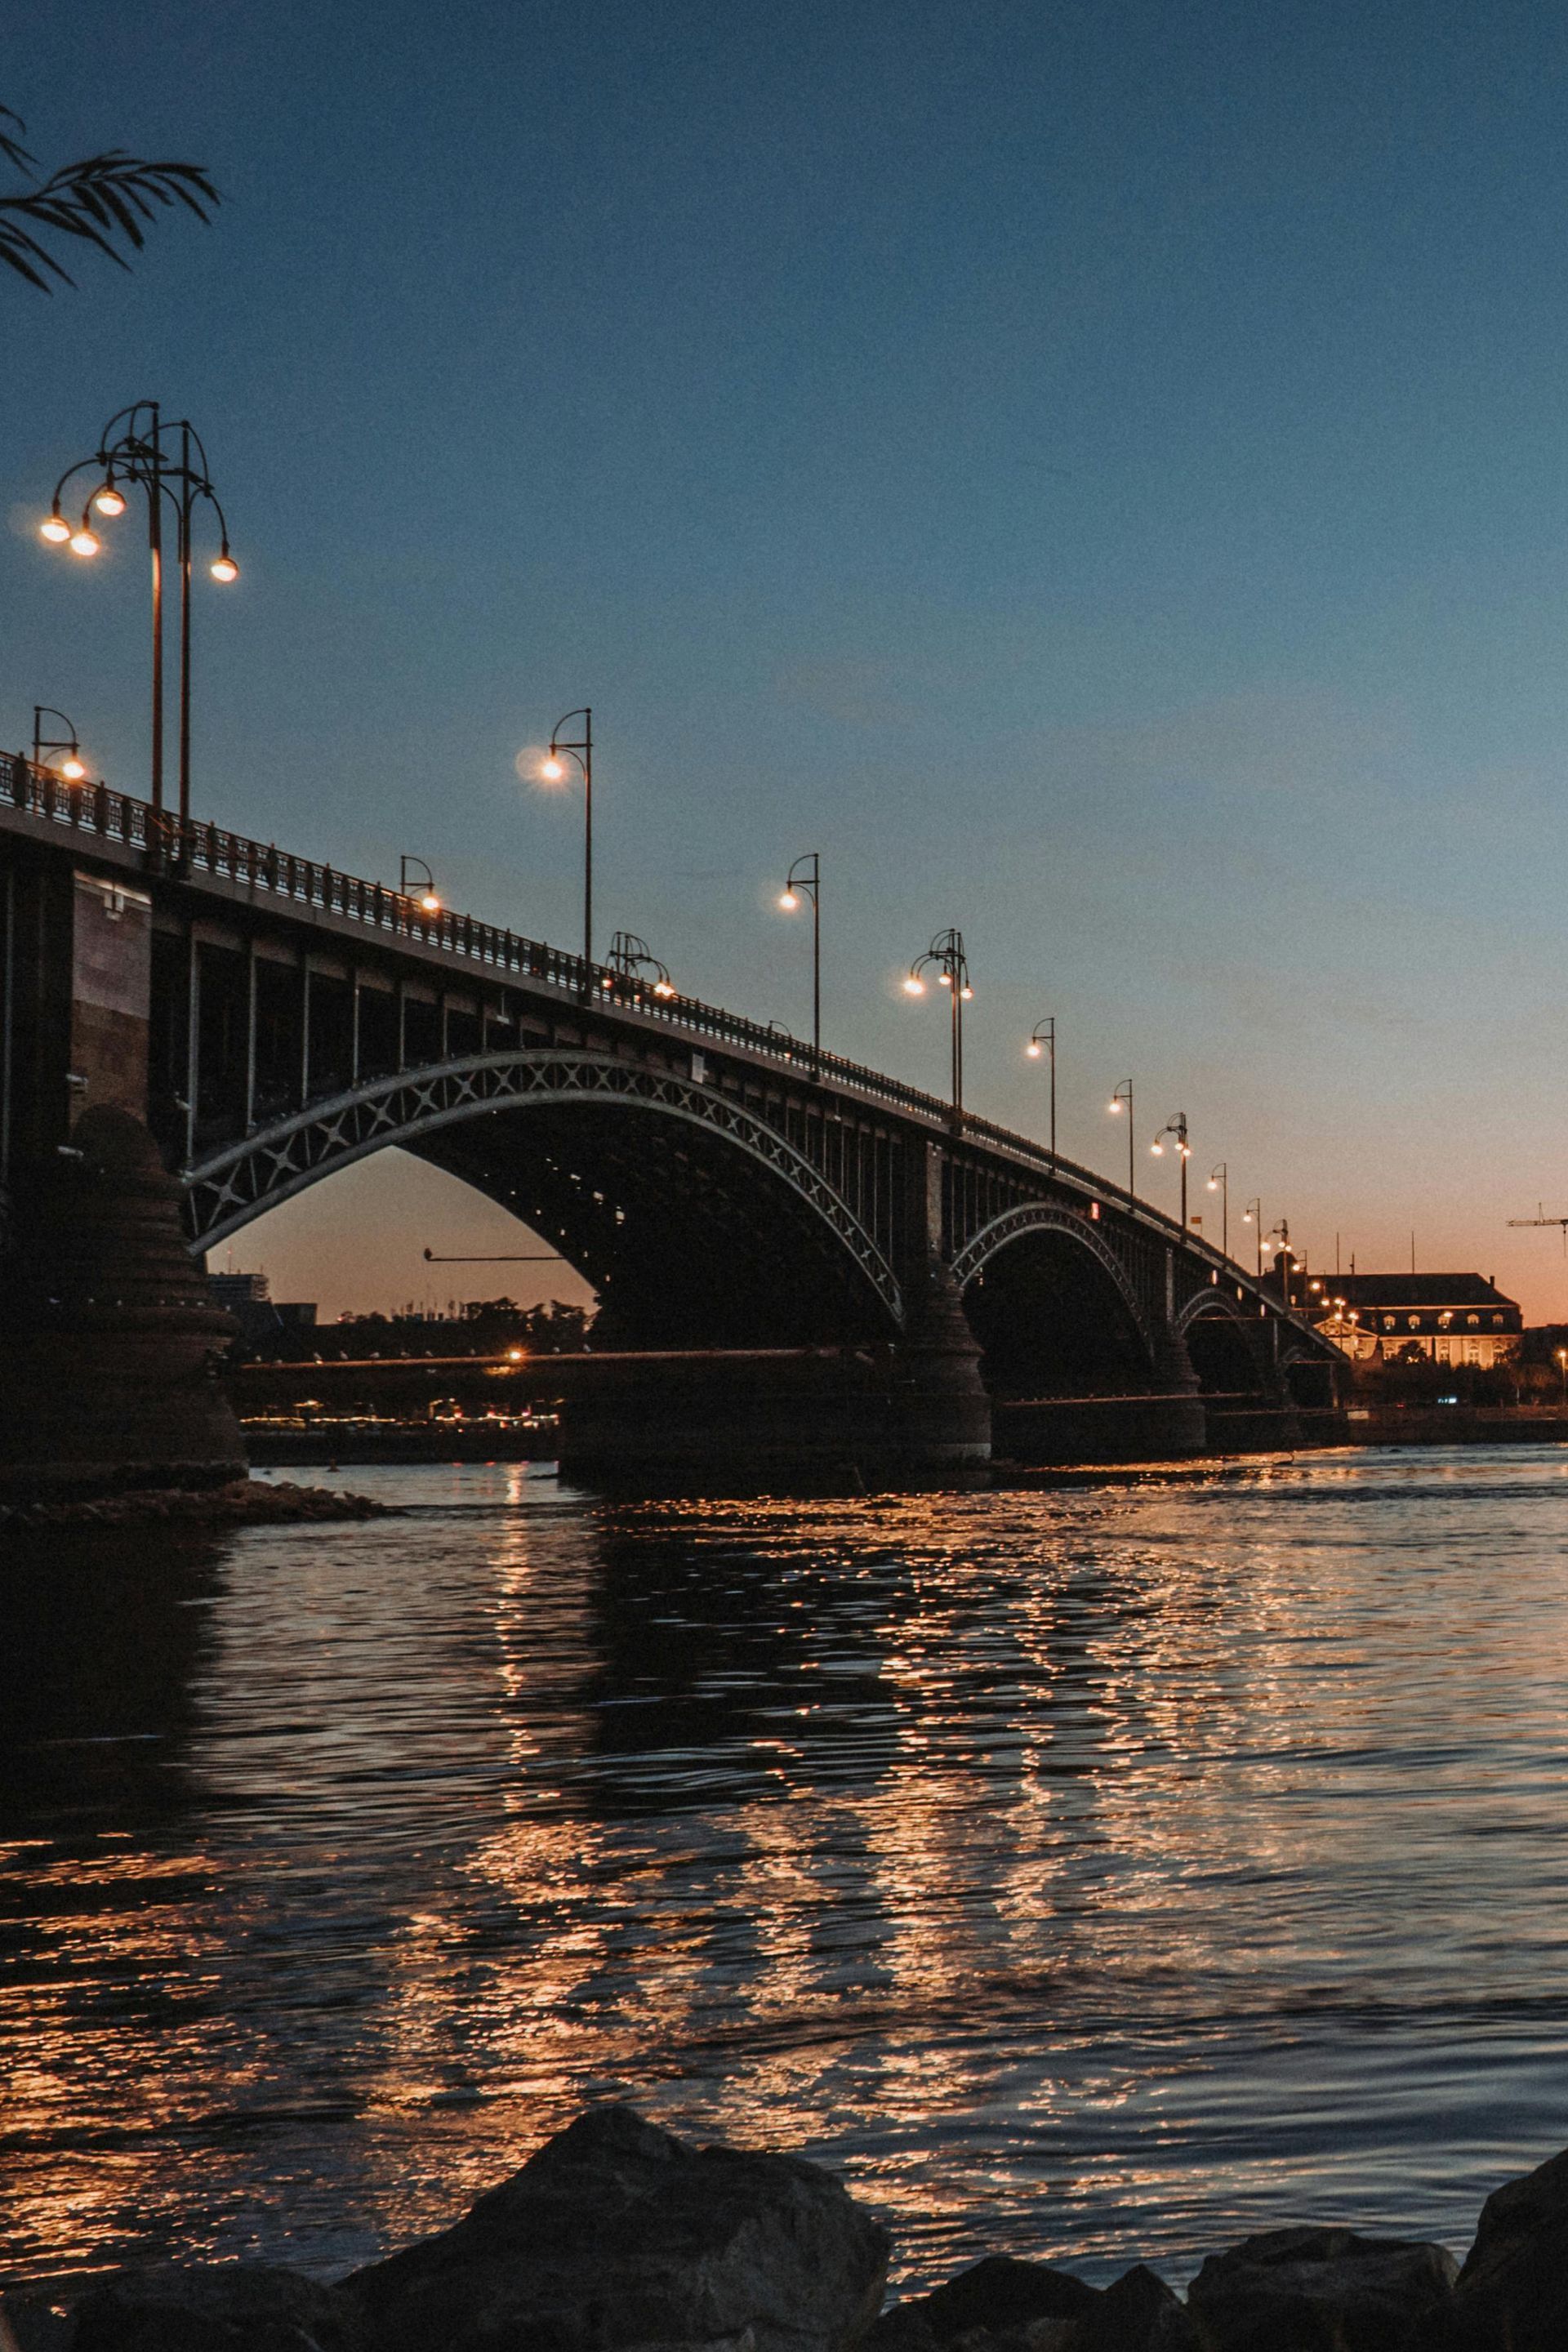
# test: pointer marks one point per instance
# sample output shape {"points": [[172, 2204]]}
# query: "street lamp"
{"points": [[1253, 1216], [555, 772], [804, 880], [71, 768], [1122, 1097], [631, 956], [1290, 1258], [1219, 1181], [1563, 1368], [166, 457], [946, 958], [1177, 1125], [1043, 1041], [429, 899]]}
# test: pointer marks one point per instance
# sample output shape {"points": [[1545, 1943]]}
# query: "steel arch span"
{"points": [[227, 1188], [1043, 1217]]}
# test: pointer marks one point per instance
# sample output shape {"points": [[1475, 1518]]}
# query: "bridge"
{"points": [[196, 1026]]}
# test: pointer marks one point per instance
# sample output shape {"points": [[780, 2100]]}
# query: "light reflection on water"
{"points": [[1095, 1875]]}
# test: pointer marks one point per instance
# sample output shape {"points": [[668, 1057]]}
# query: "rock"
{"points": [[1513, 2292], [999, 2301], [228, 2307], [1310, 2290], [615, 2234], [1139, 2312]]}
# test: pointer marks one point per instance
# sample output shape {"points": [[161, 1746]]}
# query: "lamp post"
{"points": [[44, 745], [165, 456], [1288, 1257], [1122, 1095], [429, 898], [946, 958], [1177, 1125], [1219, 1181], [1253, 1216], [631, 956], [1043, 1040], [804, 880], [1563, 1368], [581, 750]]}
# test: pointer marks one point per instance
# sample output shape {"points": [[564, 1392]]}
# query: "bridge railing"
{"points": [[264, 869]]}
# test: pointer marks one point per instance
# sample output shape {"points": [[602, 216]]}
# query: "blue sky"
{"points": [[1095, 472]]}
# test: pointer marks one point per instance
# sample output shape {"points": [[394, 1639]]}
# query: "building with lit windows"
{"points": [[1451, 1318]]}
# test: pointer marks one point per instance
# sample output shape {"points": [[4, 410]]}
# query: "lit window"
{"points": [[1472, 1320]]}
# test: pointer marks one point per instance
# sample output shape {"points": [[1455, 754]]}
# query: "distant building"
{"points": [[1451, 1318], [262, 1320]]}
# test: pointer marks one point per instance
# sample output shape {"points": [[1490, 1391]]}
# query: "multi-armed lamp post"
{"points": [[805, 881], [946, 958], [1043, 1041], [166, 458], [1176, 1126]]}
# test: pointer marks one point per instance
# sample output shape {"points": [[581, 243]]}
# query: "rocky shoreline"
{"points": [[241, 1503], [617, 2237]]}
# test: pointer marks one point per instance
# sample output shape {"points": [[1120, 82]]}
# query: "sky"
{"points": [[1095, 472]]}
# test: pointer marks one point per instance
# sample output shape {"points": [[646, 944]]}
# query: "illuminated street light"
{"points": [[1043, 1041], [554, 772], [1219, 1181], [1253, 1216], [428, 900], [1176, 1126], [946, 958], [166, 457], [1122, 1099], [632, 957], [804, 880], [45, 746]]}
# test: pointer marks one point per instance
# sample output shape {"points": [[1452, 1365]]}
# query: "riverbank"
{"points": [[616, 2236], [242, 1503]]}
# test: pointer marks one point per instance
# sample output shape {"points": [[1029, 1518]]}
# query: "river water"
{"points": [[1094, 1873]]}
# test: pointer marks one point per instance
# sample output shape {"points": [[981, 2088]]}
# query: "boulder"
{"points": [[1513, 2292], [1138, 2312], [1311, 2290], [618, 2235], [227, 2307], [1000, 2301]]}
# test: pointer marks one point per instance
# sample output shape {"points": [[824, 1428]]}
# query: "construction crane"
{"points": [[1539, 1219]]}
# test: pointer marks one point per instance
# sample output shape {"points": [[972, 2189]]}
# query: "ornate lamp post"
{"points": [[1043, 1041], [1290, 1257], [631, 956], [1121, 1095], [1176, 1125], [44, 746], [554, 771], [804, 880], [429, 900], [946, 958], [167, 460], [1219, 1181]]}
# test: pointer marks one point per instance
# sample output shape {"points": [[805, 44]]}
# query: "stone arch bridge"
{"points": [[728, 1194]]}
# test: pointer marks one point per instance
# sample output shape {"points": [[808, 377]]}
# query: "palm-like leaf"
{"points": [[109, 198]]}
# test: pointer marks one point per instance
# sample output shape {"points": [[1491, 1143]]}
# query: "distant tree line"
{"points": [[487, 1326]]}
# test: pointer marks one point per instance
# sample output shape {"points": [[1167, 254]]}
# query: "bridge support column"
{"points": [[942, 1410]]}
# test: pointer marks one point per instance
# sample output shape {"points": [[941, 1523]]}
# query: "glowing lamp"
{"points": [[83, 542], [431, 904], [967, 994], [945, 980], [664, 988], [1214, 1183], [1033, 1052], [789, 902], [55, 529], [109, 501], [223, 567], [1114, 1109], [1158, 1149], [552, 770], [913, 987], [72, 770]]}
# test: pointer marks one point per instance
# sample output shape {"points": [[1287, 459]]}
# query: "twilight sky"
{"points": [[1096, 471]]}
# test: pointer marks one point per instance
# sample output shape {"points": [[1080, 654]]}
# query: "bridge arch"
{"points": [[1053, 1304], [434, 1111], [1226, 1348]]}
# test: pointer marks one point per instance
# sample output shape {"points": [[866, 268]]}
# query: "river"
{"points": [[1094, 1873]]}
